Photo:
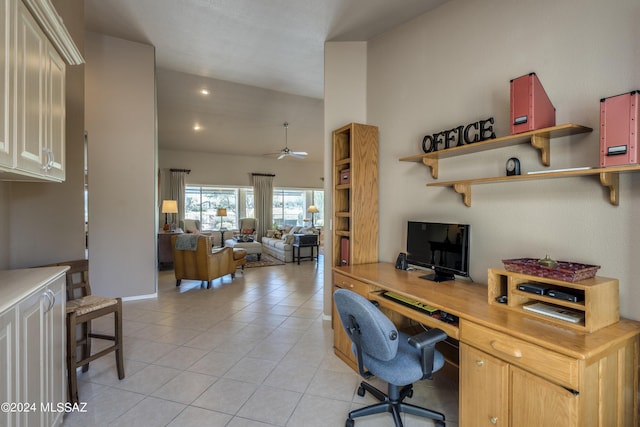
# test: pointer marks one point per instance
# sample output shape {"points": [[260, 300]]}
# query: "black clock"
{"points": [[513, 166]]}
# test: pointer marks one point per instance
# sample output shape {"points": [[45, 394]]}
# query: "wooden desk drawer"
{"points": [[356, 286], [545, 363]]}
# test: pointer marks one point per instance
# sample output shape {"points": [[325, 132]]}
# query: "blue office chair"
{"points": [[392, 356]]}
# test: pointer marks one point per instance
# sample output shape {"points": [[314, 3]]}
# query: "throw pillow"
{"points": [[246, 231], [277, 234]]}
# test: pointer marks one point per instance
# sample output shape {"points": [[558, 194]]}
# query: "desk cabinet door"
{"points": [[341, 341], [538, 402], [484, 389]]}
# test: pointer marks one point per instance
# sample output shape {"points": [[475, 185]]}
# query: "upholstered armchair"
{"points": [[190, 225], [194, 259], [247, 224]]}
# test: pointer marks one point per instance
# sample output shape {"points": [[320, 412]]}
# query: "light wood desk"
{"points": [[514, 369]]}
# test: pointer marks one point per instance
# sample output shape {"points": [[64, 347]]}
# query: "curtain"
{"points": [[263, 202], [177, 183]]}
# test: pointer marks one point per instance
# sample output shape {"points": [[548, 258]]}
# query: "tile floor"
{"points": [[252, 352]]}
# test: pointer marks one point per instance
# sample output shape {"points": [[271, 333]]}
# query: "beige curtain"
{"points": [[263, 201], [177, 183]]}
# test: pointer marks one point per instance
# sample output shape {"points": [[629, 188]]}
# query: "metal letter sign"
{"points": [[473, 132]]}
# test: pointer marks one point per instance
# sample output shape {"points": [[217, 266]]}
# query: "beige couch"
{"points": [[279, 243]]}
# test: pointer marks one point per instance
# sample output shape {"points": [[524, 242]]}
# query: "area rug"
{"points": [[265, 261]]}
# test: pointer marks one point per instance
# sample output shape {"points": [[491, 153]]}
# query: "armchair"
{"points": [[190, 225], [392, 356], [249, 224], [201, 262]]}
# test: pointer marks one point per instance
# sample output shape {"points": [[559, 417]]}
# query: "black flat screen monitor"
{"points": [[441, 247]]}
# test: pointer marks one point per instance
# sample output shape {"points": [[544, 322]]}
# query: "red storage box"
{"points": [[619, 128], [531, 108], [345, 176], [344, 251]]}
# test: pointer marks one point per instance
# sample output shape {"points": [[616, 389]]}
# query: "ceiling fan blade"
{"points": [[282, 156], [298, 155]]}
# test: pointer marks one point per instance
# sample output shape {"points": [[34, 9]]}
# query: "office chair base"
{"points": [[392, 403]]}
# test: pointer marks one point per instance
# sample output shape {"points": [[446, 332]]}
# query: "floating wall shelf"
{"points": [[609, 178], [539, 139]]}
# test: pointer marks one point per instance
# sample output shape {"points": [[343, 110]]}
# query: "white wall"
{"points": [[217, 169], [452, 66], [345, 101], [122, 164]]}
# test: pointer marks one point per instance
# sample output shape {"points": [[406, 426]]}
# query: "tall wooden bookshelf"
{"points": [[355, 202]]}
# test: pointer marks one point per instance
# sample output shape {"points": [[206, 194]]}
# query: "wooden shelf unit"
{"points": [[355, 204], [600, 302], [539, 139]]}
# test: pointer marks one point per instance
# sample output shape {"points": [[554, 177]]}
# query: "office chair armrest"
{"points": [[430, 337], [426, 343]]}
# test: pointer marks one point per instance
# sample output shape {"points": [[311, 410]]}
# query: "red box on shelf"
{"points": [[345, 176], [619, 128], [531, 108], [344, 251]]}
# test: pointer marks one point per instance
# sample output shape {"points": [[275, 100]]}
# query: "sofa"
{"points": [[279, 243]]}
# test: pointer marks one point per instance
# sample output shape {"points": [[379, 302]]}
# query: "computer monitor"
{"points": [[441, 247]]}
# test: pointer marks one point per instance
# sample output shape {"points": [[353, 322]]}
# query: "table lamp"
{"points": [[313, 210], [222, 212], [168, 207]]}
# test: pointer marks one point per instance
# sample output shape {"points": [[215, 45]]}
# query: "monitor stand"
{"points": [[439, 276]]}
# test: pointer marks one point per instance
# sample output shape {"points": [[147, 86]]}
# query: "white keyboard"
{"points": [[561, 313]]}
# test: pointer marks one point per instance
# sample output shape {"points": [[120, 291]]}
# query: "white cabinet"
{"points": [[39, 102], [32, 89], [8, 390], [41, 350], [32, 346], [7, 14]]}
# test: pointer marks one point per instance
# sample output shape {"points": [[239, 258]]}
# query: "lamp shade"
{"points": [[222, 211], [169, 206], [313, 209]]}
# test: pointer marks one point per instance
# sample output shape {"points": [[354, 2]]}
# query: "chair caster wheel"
{"points": [[360, 393], [349, 423], [440, 424], [410, 394]]}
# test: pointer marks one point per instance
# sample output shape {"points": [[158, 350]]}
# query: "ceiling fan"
{"points": [[286, 151]]}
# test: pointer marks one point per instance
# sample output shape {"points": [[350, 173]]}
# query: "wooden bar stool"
{"points": [[82, 308]]}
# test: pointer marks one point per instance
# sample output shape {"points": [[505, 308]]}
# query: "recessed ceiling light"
{"points": [[204, 91], [197, 127]]}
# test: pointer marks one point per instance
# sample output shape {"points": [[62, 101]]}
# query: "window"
{"points": [[202, 203], [289, 206]]}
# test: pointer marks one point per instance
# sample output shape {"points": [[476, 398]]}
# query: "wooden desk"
{"points": [[514, 369]]}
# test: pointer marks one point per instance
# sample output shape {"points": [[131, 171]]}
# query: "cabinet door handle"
{"points": [[52, 299], [480, 362], [50, 159], [493, 420], [506, 349], [45, 162], [43, 296]]}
